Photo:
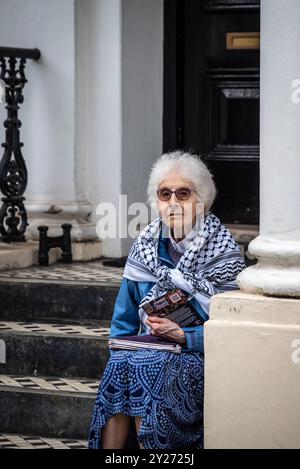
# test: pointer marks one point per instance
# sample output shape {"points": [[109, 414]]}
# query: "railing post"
{"points": [[13, 172]]}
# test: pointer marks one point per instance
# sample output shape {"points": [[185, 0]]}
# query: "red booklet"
{"points": [[174, 305]]}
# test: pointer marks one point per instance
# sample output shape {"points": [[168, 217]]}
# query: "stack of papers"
{"points": [[149, 341]]}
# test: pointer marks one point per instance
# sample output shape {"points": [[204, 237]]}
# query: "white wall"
{"points": [[119, 78], [47, 113], [142, 95], [98, 113]]}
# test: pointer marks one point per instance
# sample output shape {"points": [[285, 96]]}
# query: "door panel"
{"points": [[211, 96]]}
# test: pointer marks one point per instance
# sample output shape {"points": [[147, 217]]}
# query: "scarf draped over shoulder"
{"points": [[209, 265]]}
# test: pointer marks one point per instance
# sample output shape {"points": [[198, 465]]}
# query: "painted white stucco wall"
{"points": [[55, 192], [142, 95], [99, 104], [119, 72], [47, 113]]}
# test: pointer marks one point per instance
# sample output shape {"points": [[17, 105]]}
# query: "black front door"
{"points": [[211, 96]]}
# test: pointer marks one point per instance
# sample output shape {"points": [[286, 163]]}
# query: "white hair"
{"points": [[188, 166]]}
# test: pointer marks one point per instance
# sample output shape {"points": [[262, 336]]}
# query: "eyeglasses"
{"points": [[182, 193]]}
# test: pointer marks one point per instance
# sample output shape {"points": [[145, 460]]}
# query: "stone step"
{"points": [[54, 322], [63, 350], [39, 301], [17, 441], [51, 407], [61, 293]]}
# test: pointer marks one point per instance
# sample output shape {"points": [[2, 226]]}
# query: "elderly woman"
{"points": [[186, 248]]}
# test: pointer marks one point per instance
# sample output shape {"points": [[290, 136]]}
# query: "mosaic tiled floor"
{"points": [[91, 273], [70, 330], [9, 441], [50, 384]]}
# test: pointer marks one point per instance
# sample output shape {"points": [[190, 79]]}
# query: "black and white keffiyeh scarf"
{"points": [[209, 265]]}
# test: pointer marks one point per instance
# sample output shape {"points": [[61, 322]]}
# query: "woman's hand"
{"points": [[166, 328]]}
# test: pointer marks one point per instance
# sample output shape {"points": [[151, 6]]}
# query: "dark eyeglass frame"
{"points": [[177, 192]]}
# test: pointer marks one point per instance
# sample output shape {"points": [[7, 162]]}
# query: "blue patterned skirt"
{"points": [[164, 388]]}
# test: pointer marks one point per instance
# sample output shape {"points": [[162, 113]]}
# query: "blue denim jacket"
{"points": [[126, 321]]}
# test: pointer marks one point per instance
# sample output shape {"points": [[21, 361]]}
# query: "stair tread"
{"points": [[89, 329], [49, 384], [54, 330], [53, 349], [87, 273], [17, 441]]}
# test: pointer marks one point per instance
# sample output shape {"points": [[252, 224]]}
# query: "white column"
{"points": [[278, 245], [252, 339]]}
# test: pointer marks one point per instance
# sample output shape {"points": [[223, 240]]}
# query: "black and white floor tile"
{"points": [[91, 273], [47, 383], [9, 441], [70, 330]]}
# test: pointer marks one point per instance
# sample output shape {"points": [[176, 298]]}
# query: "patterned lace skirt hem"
{"points": [[165, 389]]}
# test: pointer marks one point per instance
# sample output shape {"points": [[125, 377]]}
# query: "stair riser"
{"points": [[45, 414], [54, 356], [50, 415], [39, 302]]}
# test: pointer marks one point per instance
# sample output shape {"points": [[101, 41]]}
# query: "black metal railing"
{"points": [[13, 171]]}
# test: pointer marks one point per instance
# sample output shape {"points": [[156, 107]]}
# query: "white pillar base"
{"points": [[252, 369], [54, 215], [22, 255], [277, 272]]}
